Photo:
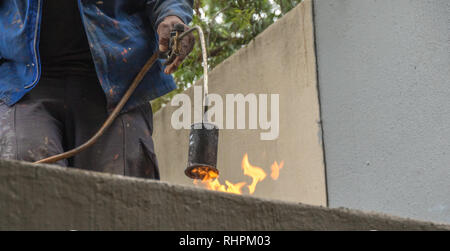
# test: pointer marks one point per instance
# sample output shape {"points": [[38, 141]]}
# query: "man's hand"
{"points": [[187, 43]]}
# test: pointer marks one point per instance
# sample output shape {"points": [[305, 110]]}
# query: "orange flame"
{"points": [[276, 170], [211, 179], [235, 188], [207, 175], [214, 185], [256, 173]]}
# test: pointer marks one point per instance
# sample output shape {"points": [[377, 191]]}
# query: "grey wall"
{"points": [[39, 197], [384, 70]]}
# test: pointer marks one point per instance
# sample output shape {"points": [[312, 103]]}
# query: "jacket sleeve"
{"points": [[159, 9]]}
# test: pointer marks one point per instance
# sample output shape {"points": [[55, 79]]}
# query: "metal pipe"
{"points": [[205, 66]]}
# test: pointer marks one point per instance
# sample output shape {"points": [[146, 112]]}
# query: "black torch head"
{"points": [[203, 147]]}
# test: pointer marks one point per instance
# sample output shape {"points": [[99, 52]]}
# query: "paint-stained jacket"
{"points": [[121, 34]]}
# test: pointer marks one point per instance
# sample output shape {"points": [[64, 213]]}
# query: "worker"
{"points": [[64, 66]]}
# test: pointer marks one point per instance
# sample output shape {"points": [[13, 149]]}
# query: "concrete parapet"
{"points": [[44, 197]]}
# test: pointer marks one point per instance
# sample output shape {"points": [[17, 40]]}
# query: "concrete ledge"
{"points": [[52, 198]]}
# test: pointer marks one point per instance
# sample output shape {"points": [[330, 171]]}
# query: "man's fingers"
{"points": [[164, 36], [186, 44], [164, 45], [174, 66]]}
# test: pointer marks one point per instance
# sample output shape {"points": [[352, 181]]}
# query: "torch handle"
{"points": [[205, 67]]}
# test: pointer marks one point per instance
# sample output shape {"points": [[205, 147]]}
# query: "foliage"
{"points": [[228, 26]]}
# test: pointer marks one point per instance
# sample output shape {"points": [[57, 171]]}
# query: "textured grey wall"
{"points": [[34, 197], [384, 79]]}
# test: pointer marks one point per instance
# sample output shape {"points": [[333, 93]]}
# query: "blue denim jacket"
{"points": [[121, 34]]}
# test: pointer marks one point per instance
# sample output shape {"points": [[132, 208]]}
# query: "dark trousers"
{"points": [[60, 114]]}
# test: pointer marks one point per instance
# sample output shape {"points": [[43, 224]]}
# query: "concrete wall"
{"points": [[38, 197], [384, 77], [279, 61]]}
